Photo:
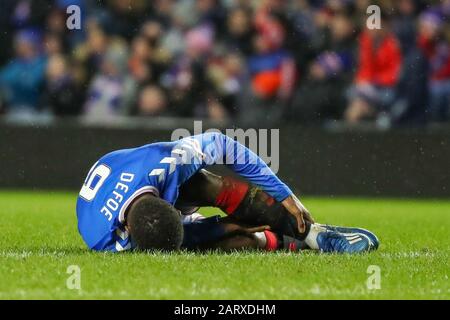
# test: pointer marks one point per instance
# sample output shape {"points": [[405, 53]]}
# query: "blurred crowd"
{"points": [[257, 61]]}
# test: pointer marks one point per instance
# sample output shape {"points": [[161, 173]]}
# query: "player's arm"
{"points": [[219, 148]]}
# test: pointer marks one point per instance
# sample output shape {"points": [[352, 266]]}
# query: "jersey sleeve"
{"points": [[117, 241], [218, 148]]}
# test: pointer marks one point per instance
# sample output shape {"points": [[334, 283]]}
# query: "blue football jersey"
{"points": [[119, 177]]}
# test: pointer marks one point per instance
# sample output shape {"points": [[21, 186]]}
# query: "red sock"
{"points": [[231, 194], [271, 241]]}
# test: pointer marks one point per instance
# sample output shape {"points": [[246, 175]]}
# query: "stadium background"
{"points": [[365, 112]]}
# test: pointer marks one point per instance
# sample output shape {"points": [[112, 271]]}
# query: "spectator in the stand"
{"points": [[361, 10], [186, 78], [211, 13], [321, 95], [61, 93], [272, 71], [28, 13], [139, 62], [53, 44], [151, 30], [412, 89], [56, 22], [226, 77], [307, 35], [57, 19], [124, 17], [163, 12], [152, 102], [404, 23], [239, 30], [90, 54], [148, 60], [22, 79], [111, 91], [378, 72], [432, 40]]}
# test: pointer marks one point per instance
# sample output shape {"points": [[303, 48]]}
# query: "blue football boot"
{"points": [[337, 242], [372, 237]]}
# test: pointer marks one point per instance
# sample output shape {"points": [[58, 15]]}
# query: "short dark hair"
{"points": [[154, 224]]}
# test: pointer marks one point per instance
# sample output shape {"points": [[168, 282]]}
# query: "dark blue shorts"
{"points": [[202, 231]]}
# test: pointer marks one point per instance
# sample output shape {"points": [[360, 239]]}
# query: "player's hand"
{"points": [[297, 209], [235, 228], [238, 229], [256, 229]]}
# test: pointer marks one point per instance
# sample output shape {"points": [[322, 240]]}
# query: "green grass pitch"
{"points": [[39, 240]]}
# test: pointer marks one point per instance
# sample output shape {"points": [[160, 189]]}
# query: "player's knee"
{"points": [[154, 224], [259, 208]]}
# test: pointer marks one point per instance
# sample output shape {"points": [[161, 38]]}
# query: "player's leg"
{"points": [[200, 190], [245, 202], [232, 196], [238, 242], [214, 232], [260, 208], [227, 234], [250, 205]]}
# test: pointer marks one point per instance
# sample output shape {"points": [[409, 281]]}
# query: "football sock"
{"points": [[253, 206], [231, 194], [311, 238], [270, 241], [267, 240], [260, 238], [293, 244]]}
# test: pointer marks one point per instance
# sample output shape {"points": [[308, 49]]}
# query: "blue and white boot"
{"points": [[373, 238], [320, 238]]}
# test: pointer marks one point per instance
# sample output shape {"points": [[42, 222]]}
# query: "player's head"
{"points": [[154, 224]]}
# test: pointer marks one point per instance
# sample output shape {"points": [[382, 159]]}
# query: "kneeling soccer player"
{"points": [[133, 198]]}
